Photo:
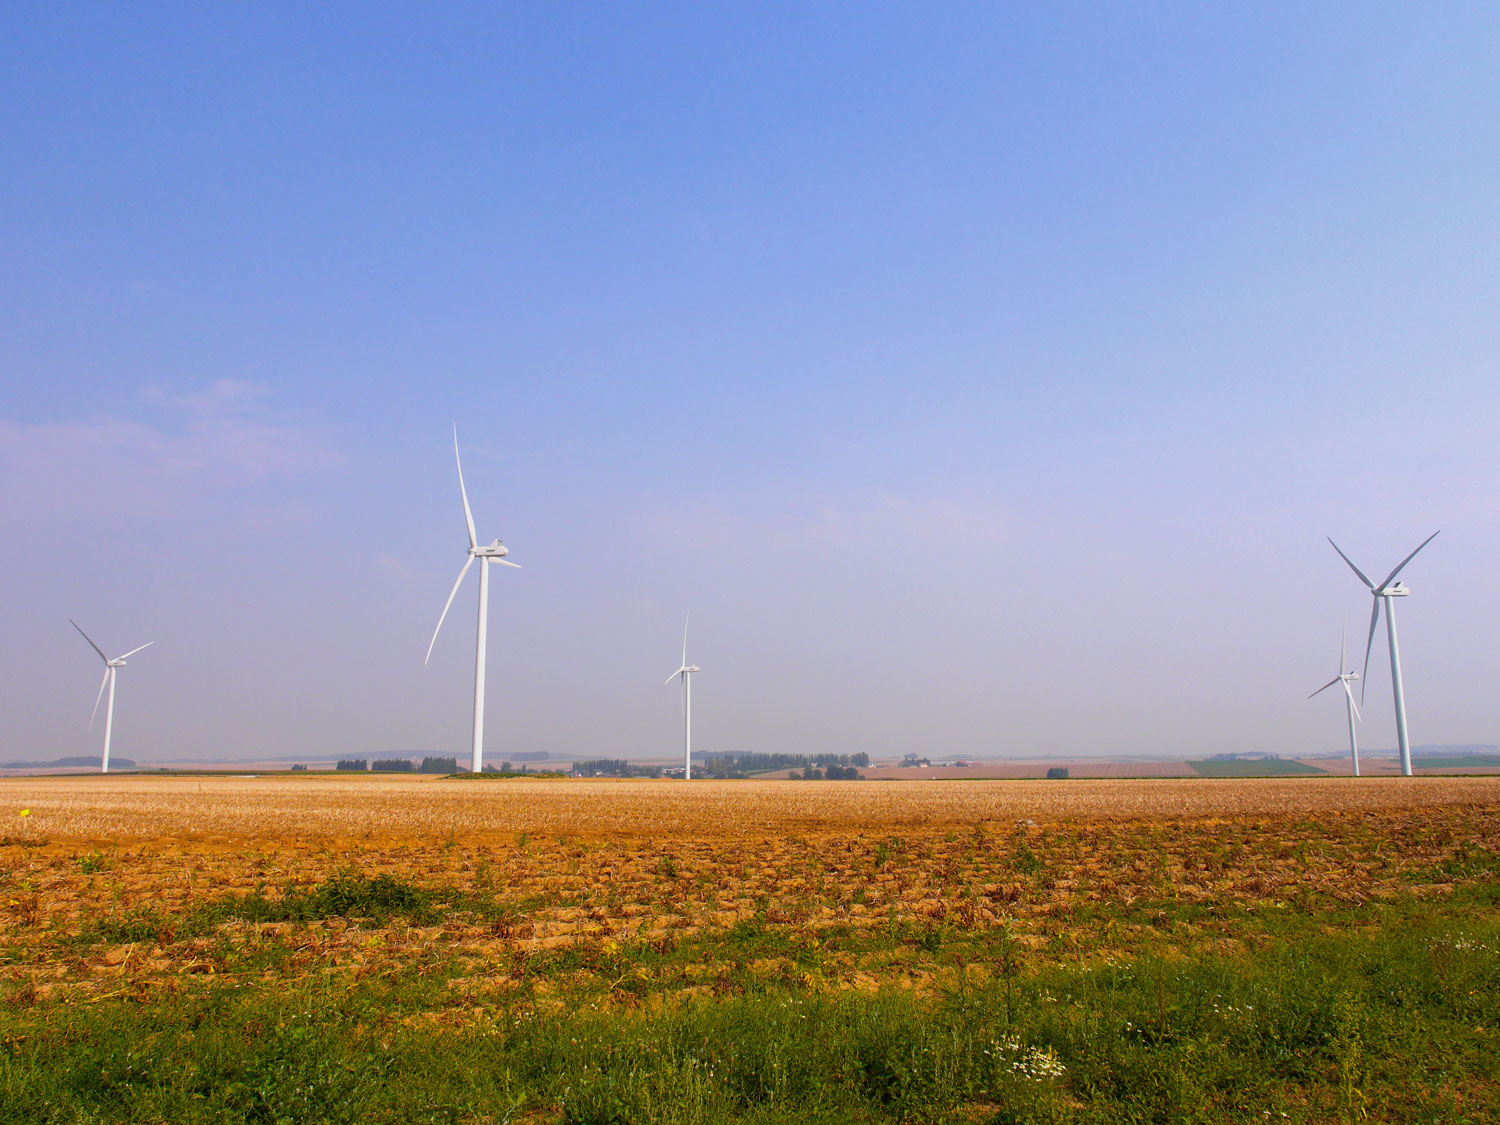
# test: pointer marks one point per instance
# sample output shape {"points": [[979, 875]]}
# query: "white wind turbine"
{"points": [[686, 670], [1346, 678], [1383, 593], [110, 667], [493, 553]]}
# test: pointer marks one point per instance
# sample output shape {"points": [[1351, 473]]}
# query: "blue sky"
{"points": [[985, 378]]}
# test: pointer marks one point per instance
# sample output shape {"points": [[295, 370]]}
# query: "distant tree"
{"points": [[438, 765], [1057, 772], [504, 767], [296, 769], [862, 760], [393, 765], [352, 764]]}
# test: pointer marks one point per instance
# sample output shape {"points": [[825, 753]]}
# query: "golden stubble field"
{"points": [[95, 883], [379, 810]]}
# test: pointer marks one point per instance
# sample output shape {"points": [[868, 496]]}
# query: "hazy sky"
{"points": [[984, 377]]}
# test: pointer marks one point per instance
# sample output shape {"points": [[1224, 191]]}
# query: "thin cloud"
{"points": [[223, 444]]}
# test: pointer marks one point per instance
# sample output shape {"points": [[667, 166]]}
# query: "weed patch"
{"points": [[345, 894]]}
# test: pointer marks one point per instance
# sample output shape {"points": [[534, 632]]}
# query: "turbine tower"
{"points": [[686, 670], [1382, 594], [110, 668], [1346, 678], [493, 553]]}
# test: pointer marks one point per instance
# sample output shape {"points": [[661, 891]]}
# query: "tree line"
{"points": [[429, 764], [613, 767], [743, 764]]}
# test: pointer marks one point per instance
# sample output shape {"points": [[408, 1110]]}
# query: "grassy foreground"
{"points": [[1392, 1015]]}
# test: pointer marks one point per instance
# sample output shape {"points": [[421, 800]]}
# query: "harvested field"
{"points": [[397, 809], [463, 907], [561, 862]]}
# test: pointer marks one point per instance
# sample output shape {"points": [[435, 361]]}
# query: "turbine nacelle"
{"points": [[1399, 590], [495, 550]]}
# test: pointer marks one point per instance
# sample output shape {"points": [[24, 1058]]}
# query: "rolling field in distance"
{"points": [[403, 948]]}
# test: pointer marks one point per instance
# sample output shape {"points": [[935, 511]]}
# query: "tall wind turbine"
{"points": [[1383, 593], [686, 670], [1346, 678], [110, 668], [493, 553]]}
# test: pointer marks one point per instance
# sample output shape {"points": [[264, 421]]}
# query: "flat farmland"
{"points": [[381, 809], [488, 918]]}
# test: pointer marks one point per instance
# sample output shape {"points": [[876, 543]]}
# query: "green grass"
{"points": [[1269, 767], [345, 894], [1388, 1013]]}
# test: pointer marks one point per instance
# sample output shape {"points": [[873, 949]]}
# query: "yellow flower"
{"points": [[25, 812]]}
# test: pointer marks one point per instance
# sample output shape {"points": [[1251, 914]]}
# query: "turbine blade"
{"points": [[685, 622], [90, 640], [451, 595], [468, 515], [133, 651], [673, 676], [1352, 564], [1391, 576], [1329, 684], [1353, 704], [504, 562], [1364, 680], [95, 713]]}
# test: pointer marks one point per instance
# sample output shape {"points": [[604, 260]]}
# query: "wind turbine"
{"points": [[110, 667], [1383, 593], [686, 670], [1346, 678], [493, 553]]}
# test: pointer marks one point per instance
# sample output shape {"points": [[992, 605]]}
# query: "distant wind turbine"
{"points": [[686, 670], [110, 668], [493, 553], [1346, 678], [1383, 593]]}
